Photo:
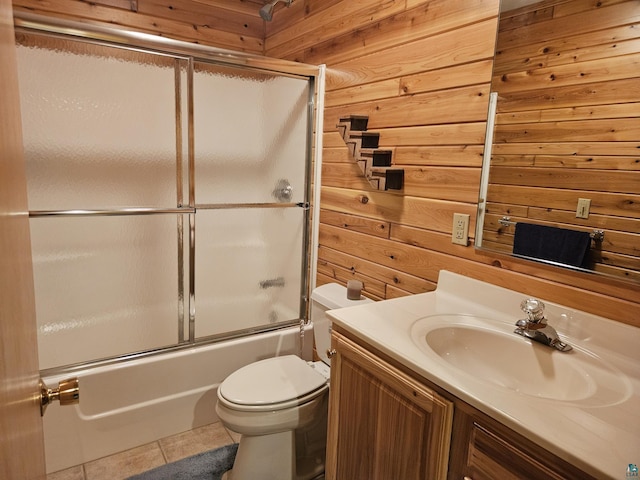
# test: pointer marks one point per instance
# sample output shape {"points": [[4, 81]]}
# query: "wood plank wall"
{"points": [[554, 146], [232, 24], [421, 70]]}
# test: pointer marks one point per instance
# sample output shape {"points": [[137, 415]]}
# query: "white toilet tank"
{"points": [[328, 297]]}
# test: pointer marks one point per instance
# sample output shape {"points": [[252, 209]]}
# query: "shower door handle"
{"points": [[67, 393]]}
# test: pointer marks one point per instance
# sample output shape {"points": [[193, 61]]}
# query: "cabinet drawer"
{"points": [[491, 457]]}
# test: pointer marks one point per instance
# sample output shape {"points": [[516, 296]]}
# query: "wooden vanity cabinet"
{"points": [[383, 424], [484, 449]]}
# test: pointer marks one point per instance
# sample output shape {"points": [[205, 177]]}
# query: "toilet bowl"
{"points": [[279, 405]]}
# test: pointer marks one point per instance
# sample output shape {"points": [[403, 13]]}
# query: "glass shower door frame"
{"points": [[185, 54]]}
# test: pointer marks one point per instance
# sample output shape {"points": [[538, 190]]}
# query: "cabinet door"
{"points": [[495, 452], [383, 424]]}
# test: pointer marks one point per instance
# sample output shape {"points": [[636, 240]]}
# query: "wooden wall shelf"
{"points": [[375, 163]]}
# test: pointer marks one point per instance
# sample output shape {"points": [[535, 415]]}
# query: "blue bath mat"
{"points": [[204, 466]]}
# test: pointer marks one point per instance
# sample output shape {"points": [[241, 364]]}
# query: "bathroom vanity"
{"points": [[438, 386]]}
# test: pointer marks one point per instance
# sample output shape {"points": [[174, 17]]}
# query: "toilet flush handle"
{"points": [[331, 352]]}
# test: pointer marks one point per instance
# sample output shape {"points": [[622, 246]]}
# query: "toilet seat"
{"points": [[272, 384]]}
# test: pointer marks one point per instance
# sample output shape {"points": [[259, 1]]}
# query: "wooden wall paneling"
{"points": [[451, 77], [421, 19], [524, 16], [415, 142], [568, 178], [409, 109], [605, 16], [223, 16], [448, 155], [623, 205], [347, 175], [607, 222], [545, 50], [468, 44], [455, 184], [399, 256], [363, 93], [395, 292], [507, 209], [446, 134], [623, 246], [554, 284], [429, 239], [569, 149], [573, 7], [333, 139], [599, 93], [415, 211], [372, 287], [576, 142], [404, 281], [244, 7], [456, 105], [356, 223], [512, 60], [611, 130], [296, 12], [193, 31], [612, 68], [591, 112], [336, 20], [336, 155]]}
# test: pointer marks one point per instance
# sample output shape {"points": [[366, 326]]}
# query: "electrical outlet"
{"points": [[582, 211], [460, 233]]}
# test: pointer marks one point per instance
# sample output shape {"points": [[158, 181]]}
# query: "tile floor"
{"points": [[140, 459]]}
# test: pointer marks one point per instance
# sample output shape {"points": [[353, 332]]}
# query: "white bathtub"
{"points": [[140, 401]]}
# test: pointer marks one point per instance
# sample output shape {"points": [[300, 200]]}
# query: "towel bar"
{"points": [[596, 235]]}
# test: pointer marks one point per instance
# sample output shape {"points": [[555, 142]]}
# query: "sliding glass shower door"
{"points": [[251, 143], [169, 197]]}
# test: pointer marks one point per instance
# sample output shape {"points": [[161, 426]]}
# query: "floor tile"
{"points": [[125, 464], [73, 473], [194, 441]]}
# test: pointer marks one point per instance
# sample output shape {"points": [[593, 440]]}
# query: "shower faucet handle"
{"points": [[283, 191]]}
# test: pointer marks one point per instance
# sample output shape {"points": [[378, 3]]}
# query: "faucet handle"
{"points": [[534, 309]]}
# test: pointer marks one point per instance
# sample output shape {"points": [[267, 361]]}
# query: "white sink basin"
{"points": [[489, 352]]}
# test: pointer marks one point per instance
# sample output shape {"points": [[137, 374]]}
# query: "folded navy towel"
{"points": [[551, 243]]}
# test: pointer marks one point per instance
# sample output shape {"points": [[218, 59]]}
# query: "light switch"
{"points": [[584, 204]]}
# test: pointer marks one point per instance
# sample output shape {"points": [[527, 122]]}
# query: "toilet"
{"points": [[279, 405]]}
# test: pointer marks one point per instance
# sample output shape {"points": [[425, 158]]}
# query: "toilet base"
{"points": [[267, 457], [290, 455]]}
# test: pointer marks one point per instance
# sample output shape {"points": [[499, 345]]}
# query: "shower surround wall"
{"points": [[102, 127]]}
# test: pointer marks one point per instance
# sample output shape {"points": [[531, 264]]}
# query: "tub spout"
{"points": [[273, 282]]}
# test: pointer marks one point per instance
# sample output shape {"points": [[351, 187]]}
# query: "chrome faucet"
{"points": [[535, 326]]}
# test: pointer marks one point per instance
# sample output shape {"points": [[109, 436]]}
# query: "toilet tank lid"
{"points": [[271, 381], [334, 295]]}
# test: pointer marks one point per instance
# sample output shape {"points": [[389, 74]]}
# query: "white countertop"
{"points": [[602, 440]]}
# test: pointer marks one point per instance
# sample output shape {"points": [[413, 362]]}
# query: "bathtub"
{"points": [[139, 401]]}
